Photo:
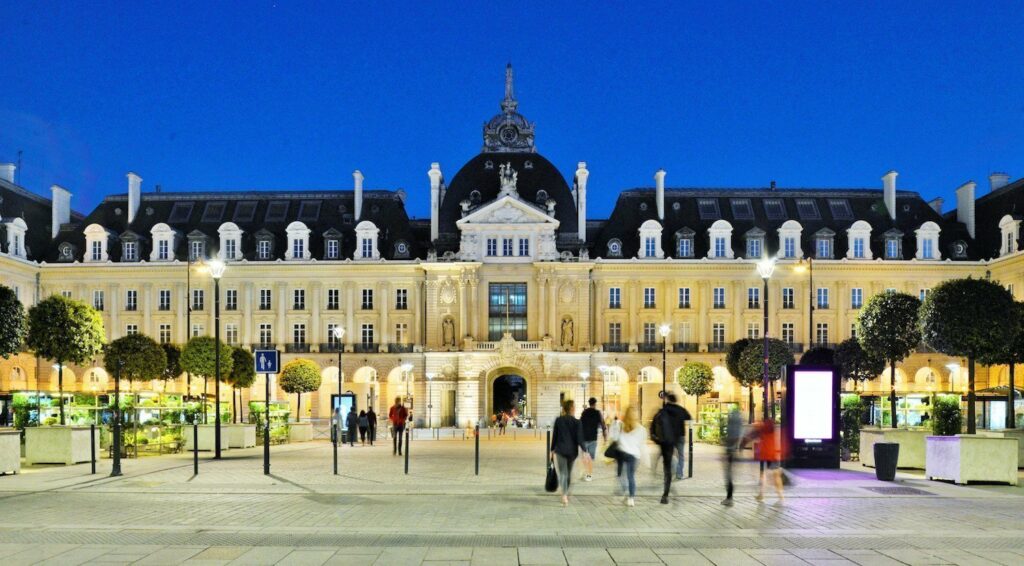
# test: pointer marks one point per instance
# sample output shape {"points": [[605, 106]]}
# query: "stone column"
{"points": [[542, 295], [181, 303], [475, 311], [416, 304], [553, 325], [634, 302], [348, 289], [316, 333], [115, 310], [703, 306], [738, 303], [247, 308], [146, 297], [281, 290]]}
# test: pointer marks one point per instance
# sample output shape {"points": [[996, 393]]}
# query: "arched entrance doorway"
{"points": [[508, 395]]}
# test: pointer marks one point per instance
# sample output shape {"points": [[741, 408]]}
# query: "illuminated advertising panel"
{"points": [[812, 404]]}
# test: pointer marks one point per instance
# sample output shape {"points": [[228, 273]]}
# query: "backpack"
{"points": [[661, 427]]}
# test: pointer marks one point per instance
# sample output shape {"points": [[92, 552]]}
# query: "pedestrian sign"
{"points": [[268, 361]]}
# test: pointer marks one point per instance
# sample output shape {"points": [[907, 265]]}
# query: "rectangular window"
{"points": [[824, 248], [615, 333], [506, 247], [718, 334], [753, 297], [263, 250], [649, 247], [928, 248], [401, 299], [524, 246], [265, 299], [164, 333], [718, 298], [774, 209], [853, 330], [684, 336], [507, 310], [650, 333], [195, 250], [492, 247], [198, 299], [367, 299], [266, 334], [332, 334], [131, 300], [231, 334], [753, 248], [97, 251], [367, 248], [685, 247], [649, 296], [333, 249], [366, 334], [821, 333], [131, 329], [298, 248], [333, 299], [197, 329], [741, 209], [163, 250], [856, 298], [787, 297], [298, 299], [719, 246], [97, 299], [684, 297], [858, 248], [787, 332], [131, 251], [892, 248], [753, 331], [230, 248], [298, 333], [707, 208], [66, 293], [807, 210], [401, 333], [164, 299], [231, 299], [789, 247], [822, 297], [923, 294], [614, 298]]}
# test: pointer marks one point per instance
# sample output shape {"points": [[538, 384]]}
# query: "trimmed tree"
{"points": [[13, 327], [751, 364], [732, 363], [243, 374], [65, 331], [199, 358], [300, 376], [887, 329], [819, 356], [855, 364], [696, 379], [961, 318], [135, 357], [1011, 354]]}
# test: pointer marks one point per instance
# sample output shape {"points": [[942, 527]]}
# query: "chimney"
{"points": [[436, 178], [581, 199], [889, 192], [771, 186], [659, 193], [965, 205], [998, 180], [7, 172], [357, 179], [936, 204], [60, 208], [134, 195]]}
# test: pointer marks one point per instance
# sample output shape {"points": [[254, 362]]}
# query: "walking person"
{"points": [[591, 420], [733, 443], [631, 444], [351, 421], [771, 453], [371, 419], [397, 415], [364, 424], [614, 430], [668, 431], [566, 444]]}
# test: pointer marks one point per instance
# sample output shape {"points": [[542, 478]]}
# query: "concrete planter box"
{"points": [[10, 451], [241, 435], [912, 446], [207, 435], [1009, 433], [965, 458], [300, 432], [59, 445]]}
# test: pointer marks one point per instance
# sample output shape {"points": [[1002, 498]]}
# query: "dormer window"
{"points": [[366, 248], [264, 249], [859, 236], [684, 243], [333, 250], [823, 240], [1009, 227], [298, 241], [163, 242], [230, 249], [614, 248], [755, 243], [720, 236], [894, 244], [16, 229], [96, 251], [163, 250], [928, 241], [196, 250], [789, 239], [230, 240], [130, 251], [366, 236], [96, 238], [650, 240]]}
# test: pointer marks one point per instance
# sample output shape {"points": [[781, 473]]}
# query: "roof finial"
{"points": [[509, 104]]}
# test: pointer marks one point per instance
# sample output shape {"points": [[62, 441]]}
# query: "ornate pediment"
{"points": [[507, 210]]}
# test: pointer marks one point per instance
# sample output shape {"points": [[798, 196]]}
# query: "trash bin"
{"points": [[887, 454]]}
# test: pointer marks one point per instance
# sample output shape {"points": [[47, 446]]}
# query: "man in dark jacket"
{"points": [[591, 420], [351, 422], [371, 416], [669, 431]]}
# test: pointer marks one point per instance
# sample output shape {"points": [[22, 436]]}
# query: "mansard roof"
{"points": [[989, 209], [17, 202]]}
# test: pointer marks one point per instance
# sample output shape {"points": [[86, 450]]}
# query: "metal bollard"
{"points": [[547, 448], [334, 436], [689, 472], [195, 449], [92, 445], [478, 450], [406, 452]]}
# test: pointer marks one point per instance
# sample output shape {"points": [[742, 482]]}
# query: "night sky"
{"points": [[288, 95]]}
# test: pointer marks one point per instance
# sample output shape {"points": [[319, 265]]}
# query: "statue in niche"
{"points": [[567, 332], [448, 332]]}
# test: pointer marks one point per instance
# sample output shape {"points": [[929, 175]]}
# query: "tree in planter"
{"points": [[852, 414], [696, 379], [732, 363], [947, 419], [13, 327], [135, 357], [65, 331], [751, 364], [819, 356], [173, 367], [887, 328], [1011, 353], [855, 363], [199, 358], [243, 374], [300, 376], [963, 318]]}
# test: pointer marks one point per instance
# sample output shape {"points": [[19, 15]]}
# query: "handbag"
{"points": [[612, 451], [551, 481]]}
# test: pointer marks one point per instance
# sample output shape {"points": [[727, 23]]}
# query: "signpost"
{"points": [[268, 362]]}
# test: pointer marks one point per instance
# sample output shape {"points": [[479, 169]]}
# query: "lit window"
{"points": [[718, 334], [928, 248], [231, 299], [401, 299], [684, 297], [789, 247], [367, 299], [787, 297], [753, 248], [719, 298], [265, 299], [230, 249], [195, 250], [524, 246], [648, 297], [787, 332], [856, 297], [824, 248], [858, 248], [298, 299], [506, 246], [492, 247], [719, 246], [753, 298], [614, 298], [263, 249], [822, 297], [892, 248], [615, 332], [131, 300]]}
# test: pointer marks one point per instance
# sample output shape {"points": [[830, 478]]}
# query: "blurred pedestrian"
{"points": [[733, 443], [371, 419], [397, 415], [351, 422], [364, 425], [771, 452], [631, 445], [591, 420], [566, 444], [668, 431], [614, 430]]}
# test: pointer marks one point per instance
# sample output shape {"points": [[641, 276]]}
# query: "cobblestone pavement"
{"points": [[441, 512]]}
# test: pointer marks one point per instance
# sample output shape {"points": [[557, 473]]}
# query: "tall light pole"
{"points": [[584, 375], [664, 330], [604, 384], [765, 267], [809, 268], [216, 268], [339, 333], [430, 400], [407, 376]]}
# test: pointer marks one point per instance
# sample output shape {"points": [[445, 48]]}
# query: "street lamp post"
{"points": [[604, 384], [584, 375], [216, 271], [664, 330], [430, 400], [339, 333], [407, 376], [115, 469], [765, 267]]}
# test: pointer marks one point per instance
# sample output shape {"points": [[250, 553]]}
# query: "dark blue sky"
{"points": [[287, 95]]}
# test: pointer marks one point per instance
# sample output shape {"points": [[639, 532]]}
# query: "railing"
{"points": [[493, 345], [719, 347], [330, 347], [684, 347], [795, 348], [297, 348], [399, 348], [255, 347], [649, 347], [829, 345], [615, 346], [366, 347]]}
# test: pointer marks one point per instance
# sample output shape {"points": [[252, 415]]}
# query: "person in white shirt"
{"points": [[631, 442]]}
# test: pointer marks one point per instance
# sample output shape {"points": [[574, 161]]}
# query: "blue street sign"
{"points": [[267, 361]]}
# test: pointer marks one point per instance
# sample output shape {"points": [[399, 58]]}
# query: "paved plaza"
{"points": [[442, 513]]}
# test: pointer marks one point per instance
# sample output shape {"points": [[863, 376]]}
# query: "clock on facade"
{"points": [[508, 134]]}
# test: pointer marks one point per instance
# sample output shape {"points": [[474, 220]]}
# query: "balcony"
{"points": [[261, 346], [330, 348], [795, 348], [399, 348], [719, 347], [684, 347], [297, 348], [615, 347], [829, 345], [649, 347], [366, 347]]}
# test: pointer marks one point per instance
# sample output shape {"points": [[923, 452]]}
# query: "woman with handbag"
{"points": [[566, 444], [631, 445]]}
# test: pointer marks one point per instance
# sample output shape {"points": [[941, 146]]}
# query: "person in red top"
{"points": [[398, 415], [771, 453]]}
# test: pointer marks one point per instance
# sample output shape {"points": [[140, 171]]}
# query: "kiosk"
{"points": [[810, 424]]}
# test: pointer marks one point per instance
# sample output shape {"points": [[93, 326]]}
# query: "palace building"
{"points": [[508, 286]]}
